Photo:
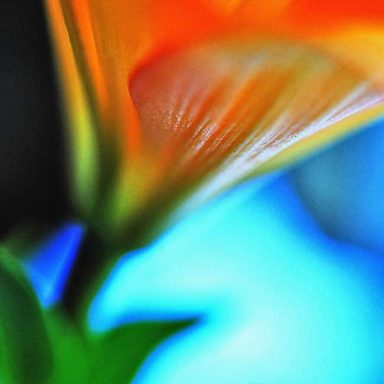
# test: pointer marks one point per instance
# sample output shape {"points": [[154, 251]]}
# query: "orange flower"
{"points": [[172, 101]]}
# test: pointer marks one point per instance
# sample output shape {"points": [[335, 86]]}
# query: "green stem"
{"points": [[94, 262], [89, 262]]}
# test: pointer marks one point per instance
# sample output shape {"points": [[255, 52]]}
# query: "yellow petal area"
{"points": [[217, 113], [359, 47]]}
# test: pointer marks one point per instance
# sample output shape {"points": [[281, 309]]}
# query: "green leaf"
{"points": [[119, 353], [25, 353], [71, 357]]}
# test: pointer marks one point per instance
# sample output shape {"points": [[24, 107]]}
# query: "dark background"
{"points": [[32, 157]]}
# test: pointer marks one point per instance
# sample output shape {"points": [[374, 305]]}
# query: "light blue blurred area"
{"points": [[49, 265], [279, 302], [344, 188]]}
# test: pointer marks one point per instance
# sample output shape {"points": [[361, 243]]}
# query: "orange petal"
{"points": [[329, 13], [299, 16], [351, 31], [215, 114], [204, 114]]}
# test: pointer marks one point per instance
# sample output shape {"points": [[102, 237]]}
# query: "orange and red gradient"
{"points": [[178, 99]]}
